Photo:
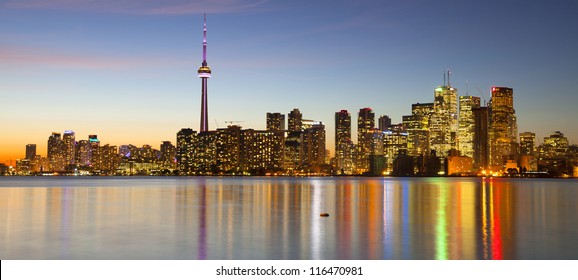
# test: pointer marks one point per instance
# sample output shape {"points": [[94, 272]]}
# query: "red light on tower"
{"points": [[493, 89]]}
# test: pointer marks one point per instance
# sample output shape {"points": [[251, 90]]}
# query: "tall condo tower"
{"points": [[204, 73]]}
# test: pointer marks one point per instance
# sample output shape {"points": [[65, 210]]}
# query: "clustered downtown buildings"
{"points": [[453, 135]]}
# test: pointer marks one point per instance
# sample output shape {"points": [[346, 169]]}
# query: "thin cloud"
{"points": [[142, 7], [26, 56]]}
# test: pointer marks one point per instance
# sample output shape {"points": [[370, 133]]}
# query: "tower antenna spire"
{"points": [[205, 40], [449, 81]]}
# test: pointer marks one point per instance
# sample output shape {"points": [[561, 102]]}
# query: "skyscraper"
{"points": [[365, 125], [384, 122], [55, 152], [443, 124], [527, 143], [343, 143], [204, 73], [417, 126], [69, 147], [503, 127], [314, 145], [186, 142], [528, 160], [295, 120], [275, 121], [94, 144], [481, 134], [30, 151], [466, 125]]}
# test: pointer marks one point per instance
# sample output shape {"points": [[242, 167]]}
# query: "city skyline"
{"points": [[308, 64]]}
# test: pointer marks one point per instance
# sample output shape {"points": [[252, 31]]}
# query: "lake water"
{"points": [[279, 218]]}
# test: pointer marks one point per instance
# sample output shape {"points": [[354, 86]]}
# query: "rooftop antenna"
{"points": [[449, 82], [444, 78]]}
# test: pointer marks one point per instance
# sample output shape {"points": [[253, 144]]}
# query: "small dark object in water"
{"points": [[324, 214]]}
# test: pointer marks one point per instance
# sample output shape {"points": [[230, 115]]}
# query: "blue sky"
{"points": [[126, 70]]}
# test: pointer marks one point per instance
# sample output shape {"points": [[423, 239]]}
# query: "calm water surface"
{"points": [[279, 218]]}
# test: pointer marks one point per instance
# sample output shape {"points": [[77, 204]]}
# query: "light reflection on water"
{"points": [[279, 218]]}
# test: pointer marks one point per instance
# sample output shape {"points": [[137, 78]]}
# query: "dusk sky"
{"points": [[126, 69]]}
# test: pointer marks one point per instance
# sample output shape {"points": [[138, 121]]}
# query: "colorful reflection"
{"points": [[263, 218]]}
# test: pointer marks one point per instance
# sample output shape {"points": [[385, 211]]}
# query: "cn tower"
{"points": [[204, 73]]}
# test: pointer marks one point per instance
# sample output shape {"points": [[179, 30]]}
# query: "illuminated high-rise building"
{"points": [[55, 152], [503, 127], [481, 146], [554, 146], [293, 152], [295, 120], [229, 149], [395, 143], [466, 125], [262, 151], [204, 73], [108, 159], [83, 152], [30, 151], [94, 151], [186, 142], [343, 143], [314, 145], [275, 121], [443, 125], [528, 160], [383, 122], [416, 126], [527, 143], [168, 153], [69, 147], [365, 126]]}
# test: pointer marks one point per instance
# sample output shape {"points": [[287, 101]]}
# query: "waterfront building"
{"points": [[229, 149], [527, 143], [94, 151], [83, 153], [417, 125], [185, 151], [262, 151], [55, 152], [314, 145], [167, 158], [554, 146], [293, 152], [528, 160], [480, 143], [30, 151], [459, 165], [503, 127], [365, 126], [275, 121], [295, 120], [69, 147], [466, 125], [383, 122], [343, 143], [108, 159], [443, 125], [395, 143], [205, 153]]}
